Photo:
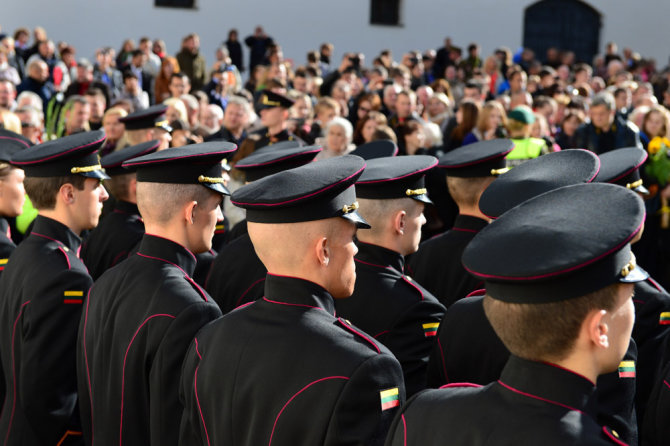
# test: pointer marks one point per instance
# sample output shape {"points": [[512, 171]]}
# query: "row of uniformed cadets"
{"points": [[324, 337]]}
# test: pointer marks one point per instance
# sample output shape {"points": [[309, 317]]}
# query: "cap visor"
{"points": [[165, 127], [100, 174], [356, 219], [641, 190], [637, 275], [423, 198], [217, 187]]}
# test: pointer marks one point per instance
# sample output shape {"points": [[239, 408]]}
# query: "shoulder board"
{"points": [[612, 436], [359, 334]]}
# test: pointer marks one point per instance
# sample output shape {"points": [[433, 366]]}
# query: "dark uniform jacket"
{"points": [[285, 371], [41, 295], [262, 138], [7, 246], [621, 134], [437, 264], [237, 275], [533, 403], [138, 322], [114, 239], [393, 309], [469, 350]]}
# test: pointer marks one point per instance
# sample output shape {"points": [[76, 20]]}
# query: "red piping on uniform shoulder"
{"points": [[88, 373], [359, 333], [298, 393], [291, 305], [249, 289], [123, 371], [404, 430], [413, 286], [451, 385], [464, 230], [537, 397], [186, 276], [444, 363]]}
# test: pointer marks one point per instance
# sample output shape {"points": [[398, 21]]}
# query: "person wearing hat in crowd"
{"points": [[519, 124], [321, 380], [386, 304], [566, 320], [13, 199], [42, 290], [121, 230], [437, 263], [142, 314], [482, 358], [273, 109], [652, 301], [238, 260], [145, 125], [382, 148]]}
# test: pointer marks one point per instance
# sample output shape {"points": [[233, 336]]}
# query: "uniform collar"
{"points": [[51, 229], [469, 223], [374, 255], [153, 246], [297, 292], [4, 227], [126, 207], [550, 383]]}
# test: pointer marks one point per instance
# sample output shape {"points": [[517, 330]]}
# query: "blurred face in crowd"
{"points": [[570, 125], [272, 117], [179, 86], [31, 126], [494, 119], [131, 84], [172, 114], [336, 139], [78, 116], [113, 127], [300, 83], [301, 108], [473, 94], [7, 94], [436, 107], [12, 193], [623, 99], [235, 117], [601, 117], [40, 71], [326, 114], [518, 82], [368, 129], [97, 105], [161, 135], [363, 109], [404, 106], [654, 125], [416, 140], [209, 118]]}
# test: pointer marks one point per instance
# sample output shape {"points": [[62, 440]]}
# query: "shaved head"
{"points": [[159, 203]]}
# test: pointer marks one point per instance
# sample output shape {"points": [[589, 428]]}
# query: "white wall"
{"points": [[301, 25]]}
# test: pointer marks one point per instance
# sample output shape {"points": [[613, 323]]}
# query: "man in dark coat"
{"points": [[386, 304], [121, 230], [142, 314], [42, 290], [437, 263], [238, 259], [258, 44], [300, 375], [566, 318]]}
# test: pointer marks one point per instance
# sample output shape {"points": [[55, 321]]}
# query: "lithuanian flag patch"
{"points": [[430, 329], [73, 297], [627, 369], [390, 398], [664, 319]]}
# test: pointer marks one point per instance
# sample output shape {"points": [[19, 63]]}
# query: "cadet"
{"points": [[12, 193], [237, 275], [437, 264], [482, 357], [42, 290], [566, 319], [273, 110], [121, 230], [391, 307], [142, 314], [145, 125], [284, 370]]}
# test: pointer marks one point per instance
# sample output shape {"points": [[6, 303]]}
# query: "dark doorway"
{"points": [[563, 24]]}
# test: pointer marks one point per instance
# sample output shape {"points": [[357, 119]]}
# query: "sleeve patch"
{"points": [[627, 369], [73, 297], [389, 398], [664, 319], [430, 329]]}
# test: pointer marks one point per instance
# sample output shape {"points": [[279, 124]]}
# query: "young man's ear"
{"points": [[400, 222], [189, 211], [66, 193], [322, 251], [597, 328]]}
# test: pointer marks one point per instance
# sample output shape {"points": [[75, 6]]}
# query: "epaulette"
{"points": [[359, 334]]}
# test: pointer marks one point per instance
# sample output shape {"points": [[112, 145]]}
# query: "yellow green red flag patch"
{"points": [[430, 329], [627, 369], [390, 398], [665, 318]]}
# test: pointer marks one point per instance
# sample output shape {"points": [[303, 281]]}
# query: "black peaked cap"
{"points": [[381, 148], [112, 163], [559, 245], [11, 143], [70, 155], [537, 176], [622, 167], [153, 116], [8, 135], [191, 164], [396, 177], [480, 159], [315, 191], [270, 99], [265, 162]]}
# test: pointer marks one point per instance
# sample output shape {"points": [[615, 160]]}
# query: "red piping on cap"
{"points": [[147, 151], [17, 140], [400, 177], [58, 154], [300, 198], [178, 157], [556, 273], [471, 163], [244, 166], [630, 170]]}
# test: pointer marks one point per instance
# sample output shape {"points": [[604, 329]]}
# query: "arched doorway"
{"points": [[564, 24]]}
